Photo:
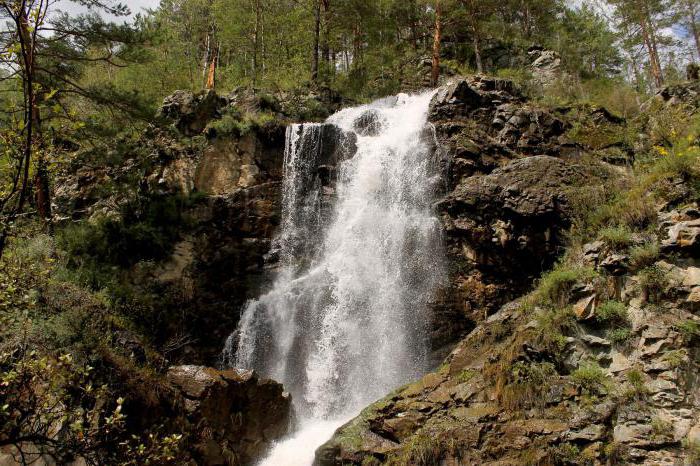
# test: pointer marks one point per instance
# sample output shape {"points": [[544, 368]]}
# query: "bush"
{"points": [[619, 336], [635, 378], [612, 313], [525, 385], [690, 329], [653, 281], [590, 378], [555, 286], [553, 326], [617, 237], [645, 255]]}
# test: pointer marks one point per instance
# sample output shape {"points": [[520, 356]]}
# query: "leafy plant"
{"points": [[554, 286]]}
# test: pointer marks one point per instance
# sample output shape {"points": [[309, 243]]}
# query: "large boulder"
{"points": [[190, 112], [236, 414]]}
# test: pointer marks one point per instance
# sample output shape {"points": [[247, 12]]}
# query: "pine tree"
{"points": [[44, 54]]}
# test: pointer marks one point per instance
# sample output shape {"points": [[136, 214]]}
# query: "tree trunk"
{"points": [[256, 42], [317, 34], [211, 75], [651, 50], [693, 24], [437, 39]]}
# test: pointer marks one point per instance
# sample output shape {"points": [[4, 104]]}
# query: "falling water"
{"points": [[347, 318]]}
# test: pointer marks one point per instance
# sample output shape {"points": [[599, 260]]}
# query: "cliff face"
{"points": [[600, 369], [597, 365]]}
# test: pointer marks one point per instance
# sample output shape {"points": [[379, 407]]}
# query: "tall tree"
{"points": [[644, 21], [437, 41], [689, 13], [44, 53]]}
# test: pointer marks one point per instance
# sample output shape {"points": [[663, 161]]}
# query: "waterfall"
{"points": [[347, 319]]}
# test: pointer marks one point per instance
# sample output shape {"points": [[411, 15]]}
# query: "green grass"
{"points": [[616, 237], [653, 280], [554, 287], [645, 255], [612, 313], [590, 378]]}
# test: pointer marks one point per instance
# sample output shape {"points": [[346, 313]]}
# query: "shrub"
{"points": [[555, 286], [566, 453], [615, 453], [590, 378], [616, 237], [612, 313], [690, 329], [619, 335], [553, 326], [466, 375], [661, 428], [526, 385], [675, 358], [635, 378], [692, 449], [420, 450], [653, 281], [645, 255]]}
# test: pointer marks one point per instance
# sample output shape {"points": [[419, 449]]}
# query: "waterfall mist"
{"points": [[347, 318]]}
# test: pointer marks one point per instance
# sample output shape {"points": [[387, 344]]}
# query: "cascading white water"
{"points": [[347, 318]]}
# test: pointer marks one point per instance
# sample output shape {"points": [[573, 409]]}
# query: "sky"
{"points": [[136, 6]]}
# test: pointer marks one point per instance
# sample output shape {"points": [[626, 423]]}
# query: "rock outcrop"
{"points": [[602, 370], [235, 416], [511, 178], [516, 392]]}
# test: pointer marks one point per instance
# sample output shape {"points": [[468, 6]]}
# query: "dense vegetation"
{"points": [[81, 91]]}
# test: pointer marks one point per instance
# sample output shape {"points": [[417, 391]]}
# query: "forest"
{"points": [[141, 156]]}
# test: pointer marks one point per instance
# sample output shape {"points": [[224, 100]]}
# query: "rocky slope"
{"points": [[598, 364]]}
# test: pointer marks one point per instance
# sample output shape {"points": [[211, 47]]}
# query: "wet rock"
{"points": [[369, 123], [236, 414]]}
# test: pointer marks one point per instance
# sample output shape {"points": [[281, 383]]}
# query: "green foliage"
{"points": [[690, 329], [676, 358], [553, 326], [612, 313], [653, 281], [618, 336], [617, 237], [638, 389], [661, 428], [566, 453], [644, 255], [525, 385], [554, 286], [466, 375], [144, 232], [590, 378], [419, 450], [692, 450]]}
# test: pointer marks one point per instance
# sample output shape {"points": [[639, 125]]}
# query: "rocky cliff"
{"points": [[597, 365]]}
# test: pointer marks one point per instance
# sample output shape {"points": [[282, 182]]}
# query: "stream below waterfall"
{"points": [[347, 318]]}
